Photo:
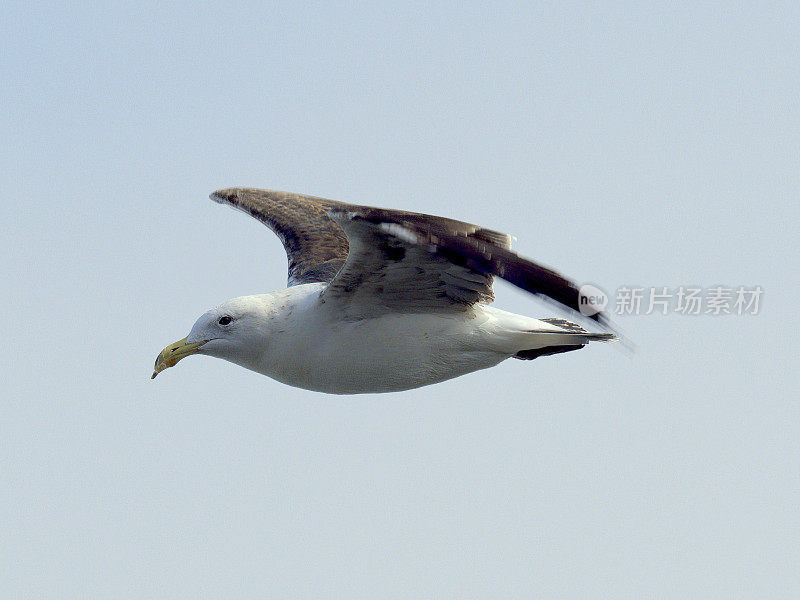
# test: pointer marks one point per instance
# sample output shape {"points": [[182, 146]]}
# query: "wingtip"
{"points": [[225, 196]]}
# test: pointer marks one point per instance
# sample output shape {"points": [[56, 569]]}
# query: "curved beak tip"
{"points": [[170, 355]]}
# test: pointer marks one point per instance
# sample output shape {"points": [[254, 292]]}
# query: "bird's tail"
{"points": [[556, 337]]}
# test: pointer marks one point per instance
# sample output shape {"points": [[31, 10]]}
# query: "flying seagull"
{"points": [[380, 301]]}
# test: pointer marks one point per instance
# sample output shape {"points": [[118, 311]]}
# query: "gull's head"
{"points": [[233, 330]]}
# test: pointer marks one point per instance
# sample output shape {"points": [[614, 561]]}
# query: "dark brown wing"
{"points": [[413, 262], [315, 245], [397, 261], [389, 270]]}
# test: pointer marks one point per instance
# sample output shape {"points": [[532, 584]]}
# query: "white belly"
{"points": [[389, 353]]}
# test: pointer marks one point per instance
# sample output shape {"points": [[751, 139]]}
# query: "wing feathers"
{"points": [[315, 246], [482, 251], [523, 273], [388, 260]]}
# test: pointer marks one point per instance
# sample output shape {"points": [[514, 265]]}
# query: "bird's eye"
{"points": [[226, 320]]}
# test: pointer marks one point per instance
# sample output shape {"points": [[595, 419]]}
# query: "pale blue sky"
{"points": [[623, 145]]}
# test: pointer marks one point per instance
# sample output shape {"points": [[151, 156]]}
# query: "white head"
{"points": [[235, 330]]}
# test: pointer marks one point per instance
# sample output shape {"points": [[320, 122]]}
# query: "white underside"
{"points": [[307, 345]]}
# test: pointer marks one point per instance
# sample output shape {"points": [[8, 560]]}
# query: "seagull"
{"points": [[381, 300]]}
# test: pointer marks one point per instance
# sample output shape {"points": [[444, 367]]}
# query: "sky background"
{"points": [[623, 145]]}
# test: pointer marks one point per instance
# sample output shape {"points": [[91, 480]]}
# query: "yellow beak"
{"points": [[170, 355]]}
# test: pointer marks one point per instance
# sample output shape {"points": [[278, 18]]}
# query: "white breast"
{"points": [[313, 349]]}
